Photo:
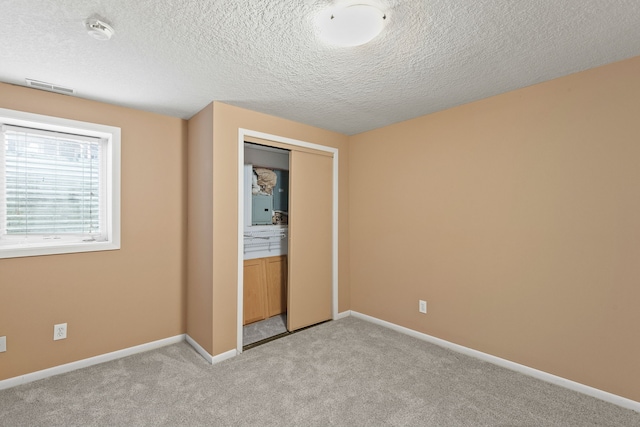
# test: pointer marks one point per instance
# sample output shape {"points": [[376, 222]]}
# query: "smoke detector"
{"points": [[98, 29]]}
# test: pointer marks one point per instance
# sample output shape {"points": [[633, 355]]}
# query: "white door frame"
{"points": [[242, 133]]}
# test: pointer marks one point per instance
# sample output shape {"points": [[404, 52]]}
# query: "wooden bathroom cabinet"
{"points": [[265, 288]]}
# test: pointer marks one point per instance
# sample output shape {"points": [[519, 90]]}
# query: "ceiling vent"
{"points": [[49, 86]]}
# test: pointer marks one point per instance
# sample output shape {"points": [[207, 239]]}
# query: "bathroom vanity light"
{"points": [[351, 25]]}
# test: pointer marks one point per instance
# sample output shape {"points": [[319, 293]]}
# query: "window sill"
{"points": [[55, 249]]}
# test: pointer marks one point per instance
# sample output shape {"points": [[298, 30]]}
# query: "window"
{"points": [[59, 185]]}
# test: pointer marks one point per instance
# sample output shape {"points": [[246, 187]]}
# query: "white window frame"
{"points": [[112, 135]]}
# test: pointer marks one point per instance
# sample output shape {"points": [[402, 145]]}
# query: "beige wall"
{"points": [[200, 230], [221, 321], [518, 219], [110, 300]]}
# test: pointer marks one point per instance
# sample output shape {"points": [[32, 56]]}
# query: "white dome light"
{"points": [[352, 25]]}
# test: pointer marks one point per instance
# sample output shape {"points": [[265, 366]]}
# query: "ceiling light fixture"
{"points": [[351, 25], [98, 29]]}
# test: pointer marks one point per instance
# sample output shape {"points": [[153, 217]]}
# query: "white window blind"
{"points": [[52, 185]]}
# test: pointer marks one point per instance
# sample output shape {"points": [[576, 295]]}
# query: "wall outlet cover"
{"points": [[59, 331], [422, 306], [3, 344]]}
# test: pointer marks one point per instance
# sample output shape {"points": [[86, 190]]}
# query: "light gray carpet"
{"points": [[264, 329], [343, 373]]}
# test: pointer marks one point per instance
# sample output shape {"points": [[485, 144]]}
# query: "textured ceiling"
{"points": [[176, 56]]}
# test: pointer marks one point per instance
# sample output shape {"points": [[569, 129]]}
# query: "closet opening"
{"points": [[298, 267], [265, 243]]}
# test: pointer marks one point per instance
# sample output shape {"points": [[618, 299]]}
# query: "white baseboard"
{"points": [[224, 356], [343, 315], [526, 370], [197, 347], [107, 357], [209, 358]]}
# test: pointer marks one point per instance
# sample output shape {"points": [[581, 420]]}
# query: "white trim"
{"points": [[224, 356], [197, 347], [334, 308], [526, 370], [242, 133], [240, 255], [107, 357], [343, 315], [209, 358]]}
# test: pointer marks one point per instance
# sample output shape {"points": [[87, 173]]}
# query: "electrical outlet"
{"points": [[59, 331], [3, 344], [422, 306]]}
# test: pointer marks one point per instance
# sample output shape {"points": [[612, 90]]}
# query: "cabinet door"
{"points": [[276, 284], [254, 289]]}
